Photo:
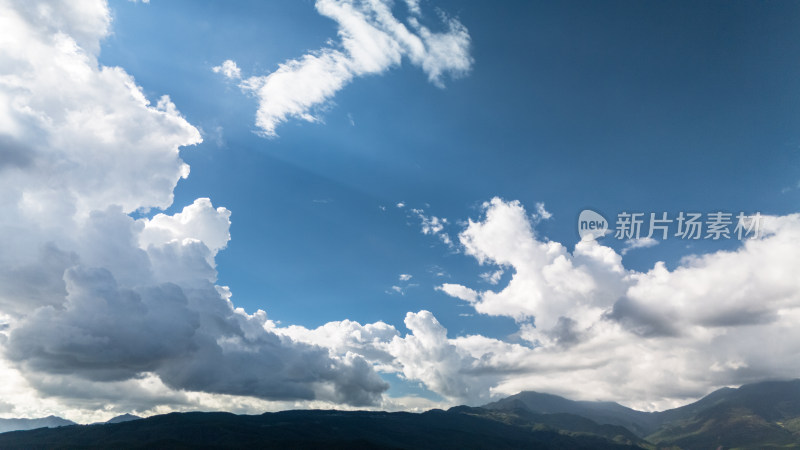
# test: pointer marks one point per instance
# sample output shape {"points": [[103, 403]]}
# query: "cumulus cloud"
{"points": [[591, 329], [100, 310], [198, 221], [548, 282], [595, 330], [347, 336], [93, 301], [428, 356], [371, 41]]}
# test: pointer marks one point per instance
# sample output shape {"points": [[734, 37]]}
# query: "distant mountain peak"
{"points": [[751, 411], [123, 418], [607, 413], [50, 421]]}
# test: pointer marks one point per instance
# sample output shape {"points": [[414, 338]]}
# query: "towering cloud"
{"points": [[87, 293]]}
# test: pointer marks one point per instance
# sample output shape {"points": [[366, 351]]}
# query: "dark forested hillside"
{"points": [[756, 416]]}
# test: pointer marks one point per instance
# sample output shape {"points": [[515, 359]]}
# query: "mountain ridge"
{"points": [[15, 424], [753, 416]]}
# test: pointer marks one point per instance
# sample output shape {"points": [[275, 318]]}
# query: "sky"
{"points": [[251, 206]]}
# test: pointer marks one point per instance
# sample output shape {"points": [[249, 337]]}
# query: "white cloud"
{"points": [[413, 7], [492, 277], [644, 242], [428, 356], [432, 225], [548, 282], [346, 336], [199, 221], [401, 289], [404, 277], [372, 40], [650, 339], [229, 69], [63, 111], [102, 313], [459, 291], [99, 309], [541, 213]]}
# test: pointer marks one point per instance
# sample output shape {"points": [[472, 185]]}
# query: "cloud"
{"points": [[492, 277], [198, 221], [102, 332], [655, 339], [548, 281], [644, 242], [403, 285], [541, 213], [432, 225], [65, 111], [651, 340], [345, 336], [100, 310], [413, 7], [459, 291], [229, 69], [371, 41], [93, 301], [395, 289], [428, 356]]}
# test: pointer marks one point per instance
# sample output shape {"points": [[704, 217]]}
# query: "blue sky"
{"points": [[521, 115], [615, 106]]}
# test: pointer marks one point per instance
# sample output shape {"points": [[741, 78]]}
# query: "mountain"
{"points": [[123, 418], [760, 415], [757, 416], [640, 423], [30, 424], [434, 429], [569, 424], [754, 416]]}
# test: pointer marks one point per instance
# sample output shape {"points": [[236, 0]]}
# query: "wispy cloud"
{"points": [[644, 242], [403, 284], [371, 41], [492, 277], [432, 225]]}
